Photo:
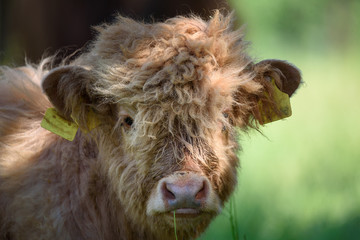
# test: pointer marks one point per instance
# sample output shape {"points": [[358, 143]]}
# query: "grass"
{"points": [[233, 219], [175, 227], [302, 181]]}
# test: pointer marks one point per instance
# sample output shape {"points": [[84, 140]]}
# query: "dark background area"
{"points": [[30, 28]]}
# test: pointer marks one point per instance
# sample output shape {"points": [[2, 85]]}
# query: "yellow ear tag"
{"points": [[92, 121], [53, 122], [282, 101]]}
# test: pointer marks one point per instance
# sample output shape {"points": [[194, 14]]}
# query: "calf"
{"points": [[157, 107]]}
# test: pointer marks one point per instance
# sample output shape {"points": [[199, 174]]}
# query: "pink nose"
{"points": [[183, 190]]}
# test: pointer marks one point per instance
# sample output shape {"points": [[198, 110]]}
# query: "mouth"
{"points": [[185, 213]]}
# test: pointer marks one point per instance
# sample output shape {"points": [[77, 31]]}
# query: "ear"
{"points": [[280, 80], [69, 90], [287, 77]]}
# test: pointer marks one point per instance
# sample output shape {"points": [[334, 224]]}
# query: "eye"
{"points": [[128, 121]]}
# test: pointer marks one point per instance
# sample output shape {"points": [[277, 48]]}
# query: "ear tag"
{"points": [[53, 122], [282, 101], [92, 122]]}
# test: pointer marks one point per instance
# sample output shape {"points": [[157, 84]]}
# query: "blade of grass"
{"points": [[233, 220], [236, 224], [175, 226]]}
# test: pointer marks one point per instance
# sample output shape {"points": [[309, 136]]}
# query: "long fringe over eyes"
{"points": [[177, 75]]}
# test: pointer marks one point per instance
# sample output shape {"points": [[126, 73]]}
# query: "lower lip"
{"points": [[185, 213]]}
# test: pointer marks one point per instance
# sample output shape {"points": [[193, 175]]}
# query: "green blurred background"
{"points": [[302, 180]]}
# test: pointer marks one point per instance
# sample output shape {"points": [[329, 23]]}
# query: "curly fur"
{"points": [[186, 83]]}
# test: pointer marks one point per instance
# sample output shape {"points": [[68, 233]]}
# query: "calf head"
{"points": [[168, 97]]}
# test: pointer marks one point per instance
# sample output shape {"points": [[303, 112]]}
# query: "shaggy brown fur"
{"points": [[186, 83]]}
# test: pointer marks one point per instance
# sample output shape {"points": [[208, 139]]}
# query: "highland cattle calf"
{"points": [[156, 106]]}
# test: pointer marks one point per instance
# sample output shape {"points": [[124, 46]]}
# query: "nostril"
{"points": [[202, 193], [185, 192], [169, 195]]}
